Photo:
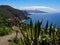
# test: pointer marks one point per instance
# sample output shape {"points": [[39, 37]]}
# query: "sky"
{"points": [[20, 4]]}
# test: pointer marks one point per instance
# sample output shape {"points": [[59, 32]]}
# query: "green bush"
{"points": [[16, 40], [36, 35], [5, 30]]}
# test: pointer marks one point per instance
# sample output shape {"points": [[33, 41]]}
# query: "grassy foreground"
{"points": [[36, 35], [5, 31]]}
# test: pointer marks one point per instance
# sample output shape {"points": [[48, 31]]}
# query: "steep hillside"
{"points": [[8, 12]]}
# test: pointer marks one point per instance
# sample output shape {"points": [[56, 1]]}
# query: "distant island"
{"points": [[35, 11]]}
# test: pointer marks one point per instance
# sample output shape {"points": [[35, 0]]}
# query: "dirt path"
{"points": [[4, 39]]}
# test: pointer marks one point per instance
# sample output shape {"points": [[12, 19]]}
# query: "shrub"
{"points": [[5, 30], [36, 35]]}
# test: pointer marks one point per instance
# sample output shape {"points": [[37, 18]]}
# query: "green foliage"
{"points": [[5, 30], [31, 27], [36, 35], [31, 37], [40, 36], [50, 31], [15, 40], [46, 27]]}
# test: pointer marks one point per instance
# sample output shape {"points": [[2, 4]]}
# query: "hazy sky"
{"points": [[23, 3]]}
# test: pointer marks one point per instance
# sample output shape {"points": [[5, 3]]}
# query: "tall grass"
{"points": [[36, 35]]}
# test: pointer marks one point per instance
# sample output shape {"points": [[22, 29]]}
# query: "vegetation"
{"points": [[6, 26], [31, 34], [5, 31], [36, 35], [9, 16]]}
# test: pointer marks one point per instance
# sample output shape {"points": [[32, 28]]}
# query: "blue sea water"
{"points": [[51, 17]]}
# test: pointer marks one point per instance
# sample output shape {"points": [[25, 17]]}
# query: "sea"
{"points": [[53, 18]]}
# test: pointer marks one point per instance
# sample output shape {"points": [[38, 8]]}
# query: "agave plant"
{"points": [[36, 35], [46, 27], [32, 34]]}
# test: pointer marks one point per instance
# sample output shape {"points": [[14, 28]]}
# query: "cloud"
{"points": [[42, 8]]}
